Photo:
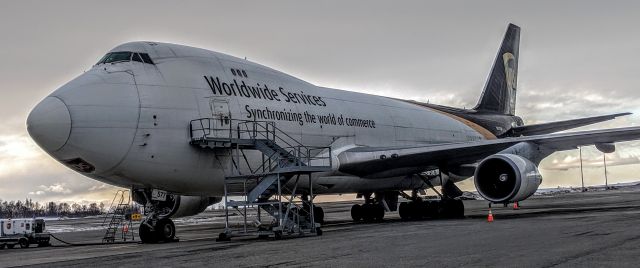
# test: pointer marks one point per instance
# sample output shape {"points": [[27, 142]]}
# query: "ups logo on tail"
{"points": [[511, 79]]}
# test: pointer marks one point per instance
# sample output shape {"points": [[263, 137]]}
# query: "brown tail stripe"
{"points": [[483, 131]]}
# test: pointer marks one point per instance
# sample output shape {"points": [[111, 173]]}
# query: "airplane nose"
{"points": [[49, 124]]}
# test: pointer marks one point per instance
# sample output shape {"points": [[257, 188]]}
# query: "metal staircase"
{"points": [[276, 187], [120, 218]]}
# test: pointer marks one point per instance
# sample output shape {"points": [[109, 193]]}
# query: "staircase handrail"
{"points": [[206, 130], [255, 129], [111, 205]]}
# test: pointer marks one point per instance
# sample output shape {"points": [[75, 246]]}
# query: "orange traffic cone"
{"points": [[490, 216], [515, 206]]}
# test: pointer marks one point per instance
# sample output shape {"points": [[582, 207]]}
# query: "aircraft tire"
{"points": [[146, 235], [415, 209], [318, 214], [432, 209], [357, 212], [444, 209], [24, 243], [378, 212], [224, 237], [423, 210], [165, 230], [403, 211], [368, 212], [459, 209], [277, 235]]}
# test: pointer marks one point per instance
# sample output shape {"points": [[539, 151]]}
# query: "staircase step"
{"points": [[264, 184]]}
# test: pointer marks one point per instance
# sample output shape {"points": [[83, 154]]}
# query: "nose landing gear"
{"points": [[154, 228]]}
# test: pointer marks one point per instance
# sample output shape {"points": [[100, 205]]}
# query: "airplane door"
{"points": [[221, 123]]}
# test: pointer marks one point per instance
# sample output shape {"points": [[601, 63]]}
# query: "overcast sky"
{"points": [[577, 58]]}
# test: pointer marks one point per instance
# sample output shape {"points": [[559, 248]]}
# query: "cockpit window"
{"points": [[115, 57], [125, 56], [136, 57], [146, 58]]}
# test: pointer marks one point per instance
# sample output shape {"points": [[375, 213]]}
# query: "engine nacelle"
{"points": [[503, 178], [176, 206]]}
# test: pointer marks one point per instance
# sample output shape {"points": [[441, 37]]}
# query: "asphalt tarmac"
{"points": [[592, 229]]}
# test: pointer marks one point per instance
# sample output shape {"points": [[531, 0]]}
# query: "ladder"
{"points": [[276, 187], [119, 216]]}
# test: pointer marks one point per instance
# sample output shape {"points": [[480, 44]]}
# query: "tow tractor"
{"points": [[23, 232]]}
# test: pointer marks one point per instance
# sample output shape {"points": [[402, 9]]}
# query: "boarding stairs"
{"points": [[275, 186], [119, 217]]}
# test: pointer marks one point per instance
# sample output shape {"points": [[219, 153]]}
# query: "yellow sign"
{"points": [[136, 217]]}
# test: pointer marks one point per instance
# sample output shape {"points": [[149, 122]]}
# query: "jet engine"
{"points": [[504, 178], [176, 206]]}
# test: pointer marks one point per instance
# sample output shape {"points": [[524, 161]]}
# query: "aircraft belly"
{"points": [[351, 184]]}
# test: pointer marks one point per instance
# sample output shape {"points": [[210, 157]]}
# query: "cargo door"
{"points": [[221, 118]]}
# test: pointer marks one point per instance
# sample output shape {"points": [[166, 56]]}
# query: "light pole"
{"points": [[581, 172], [606, 180]]}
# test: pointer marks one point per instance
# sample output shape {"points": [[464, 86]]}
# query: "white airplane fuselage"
{"points": [[127, 123]]}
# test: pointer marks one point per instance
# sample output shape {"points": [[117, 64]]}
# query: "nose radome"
{"points": [[49, 124]]}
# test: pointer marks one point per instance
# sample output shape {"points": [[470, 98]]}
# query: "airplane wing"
{"points": [[397, 161], [546, 128]]}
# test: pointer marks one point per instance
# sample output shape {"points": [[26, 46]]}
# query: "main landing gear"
{"points": [[373, 210], [367, 212], [446, 207]]}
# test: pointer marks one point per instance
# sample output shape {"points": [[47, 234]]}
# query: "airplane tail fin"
{"points": [[499, 95]]}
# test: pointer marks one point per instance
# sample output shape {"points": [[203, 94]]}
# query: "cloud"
{"points": [[570, 162], [17, 148], [98, 187], [56, 188], [544, 105], [32, 173]]}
